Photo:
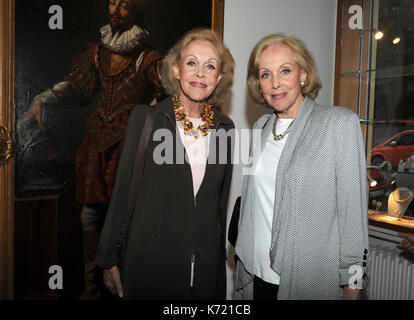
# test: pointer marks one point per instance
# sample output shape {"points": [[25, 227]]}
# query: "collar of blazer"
{"points": [[281, 219]]}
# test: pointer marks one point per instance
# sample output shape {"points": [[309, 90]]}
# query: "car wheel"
{"points": [[377, 160]]}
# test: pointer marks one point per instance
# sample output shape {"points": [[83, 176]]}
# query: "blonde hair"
{"points": [[171, 83], [302, 57]]}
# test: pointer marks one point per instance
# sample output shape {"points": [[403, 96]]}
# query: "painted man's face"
{"points": [[121, 14]]}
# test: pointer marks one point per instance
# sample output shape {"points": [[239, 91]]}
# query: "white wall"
{"points": [[248, 21]]}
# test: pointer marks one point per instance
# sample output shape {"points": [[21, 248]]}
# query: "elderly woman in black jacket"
{"points": [[176, 245]]}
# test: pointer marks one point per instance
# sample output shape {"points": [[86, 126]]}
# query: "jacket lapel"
{"points": [[166, 107], [219, 120], [267, 128], [280, 218], [294, 135]]}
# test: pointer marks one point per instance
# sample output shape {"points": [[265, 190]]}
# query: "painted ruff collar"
{"points": [[123, 42]]}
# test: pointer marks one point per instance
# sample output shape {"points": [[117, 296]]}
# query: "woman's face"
{"points": [[198, 71], [279, 80]]}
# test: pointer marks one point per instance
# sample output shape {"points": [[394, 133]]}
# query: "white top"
{"points": [[264, 183], [197, 152]]}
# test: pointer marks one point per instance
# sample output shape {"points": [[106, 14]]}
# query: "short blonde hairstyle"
{"points": [[171, 83], [302, 57]]}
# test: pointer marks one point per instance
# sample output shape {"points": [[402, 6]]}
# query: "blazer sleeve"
{"points": [[106, 256], [352, 204]]}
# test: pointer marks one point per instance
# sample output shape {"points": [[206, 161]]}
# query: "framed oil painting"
{"points": [[41, 42]]}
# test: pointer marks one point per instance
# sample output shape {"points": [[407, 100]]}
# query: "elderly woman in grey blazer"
{"points": [[303, 220]]}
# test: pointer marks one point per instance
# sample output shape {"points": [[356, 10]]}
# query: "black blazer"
{"points": [[173, 234]]}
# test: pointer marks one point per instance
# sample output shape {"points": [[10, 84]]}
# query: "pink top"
{"points": [[197, 152]]}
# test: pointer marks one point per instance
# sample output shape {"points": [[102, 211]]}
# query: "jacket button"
{"points": [[364, 264], [365, 257], [365, 251]]}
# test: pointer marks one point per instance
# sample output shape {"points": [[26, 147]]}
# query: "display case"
{"points": [[375, 78]]}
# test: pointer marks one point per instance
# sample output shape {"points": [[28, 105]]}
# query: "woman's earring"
{"points": [[302, 83]]}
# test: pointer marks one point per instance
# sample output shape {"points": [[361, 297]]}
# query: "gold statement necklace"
{"points": [[181, 117]]}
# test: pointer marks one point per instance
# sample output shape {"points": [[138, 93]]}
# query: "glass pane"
{"points": [[390, 134], [377, 81]]}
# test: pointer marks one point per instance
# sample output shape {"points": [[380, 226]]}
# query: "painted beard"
{"points": [[118, 23]]}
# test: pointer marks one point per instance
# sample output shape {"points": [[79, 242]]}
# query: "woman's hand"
{"points": [[34, 112], [352, 294], [112, 280]]}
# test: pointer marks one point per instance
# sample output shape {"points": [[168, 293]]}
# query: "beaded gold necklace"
{"points": [[181, 117]]}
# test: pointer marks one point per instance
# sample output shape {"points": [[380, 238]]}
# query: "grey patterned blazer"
{"points": [[319, 233]]}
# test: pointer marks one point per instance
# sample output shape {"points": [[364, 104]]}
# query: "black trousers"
{"points": [[263, 290]]}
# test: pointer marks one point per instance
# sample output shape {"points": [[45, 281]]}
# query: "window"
{"points": [[375, 78]]}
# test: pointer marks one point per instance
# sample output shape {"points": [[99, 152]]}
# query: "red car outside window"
{"points": [[396, 148]]}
